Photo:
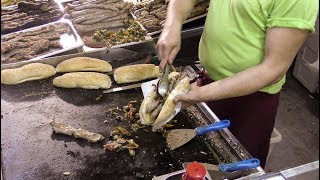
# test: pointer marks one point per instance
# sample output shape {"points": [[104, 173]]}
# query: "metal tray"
{"points": [[69, 42], [9, 7], [159, 31], [185, 22], [16, 6], [31, 151], [148, 38], [87, 49]]}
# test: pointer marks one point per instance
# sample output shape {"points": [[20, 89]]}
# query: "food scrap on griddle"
{"points": [[120, 144], [119, 132], [61, 128], [120, 136], [128, 112]]}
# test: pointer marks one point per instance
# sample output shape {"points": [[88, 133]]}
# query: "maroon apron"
{"points": [[252, 118]]}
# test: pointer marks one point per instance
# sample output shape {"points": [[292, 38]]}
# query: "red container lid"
{"points": [[195, 171]]}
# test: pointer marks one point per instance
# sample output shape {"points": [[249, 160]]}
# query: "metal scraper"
{"points": [[178, 137]]}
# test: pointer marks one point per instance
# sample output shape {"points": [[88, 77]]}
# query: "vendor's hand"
{"points": [[168, 45], [193, 96]]}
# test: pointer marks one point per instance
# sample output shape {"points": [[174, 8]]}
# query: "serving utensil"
{"points": [[178, 137]]}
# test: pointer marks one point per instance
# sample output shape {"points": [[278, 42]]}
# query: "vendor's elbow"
{"points": [[275, 74]]}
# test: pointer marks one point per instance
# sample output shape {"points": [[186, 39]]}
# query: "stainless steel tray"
{"points": [[16, 6], [87, 49], [159, 31], [69, 42], [185, 22], [148, 38]]}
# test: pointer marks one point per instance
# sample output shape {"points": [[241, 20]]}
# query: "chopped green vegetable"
{"points": [[132, 152]]}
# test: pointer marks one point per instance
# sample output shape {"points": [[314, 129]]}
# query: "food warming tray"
{"points": [[69, 42], [159, 31], [87, 49], [13, 7], [31, 151]]}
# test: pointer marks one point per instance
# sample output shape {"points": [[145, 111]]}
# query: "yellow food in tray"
{"points": [[9, 2]]}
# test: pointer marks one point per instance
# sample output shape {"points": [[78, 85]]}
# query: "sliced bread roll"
{"points": [[83, 64], [137, 72], [168, 110], [29, 72], [85, 80], [145, 117]]}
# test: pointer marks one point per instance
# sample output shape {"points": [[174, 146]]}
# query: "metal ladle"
{"points": [[163, 83]]}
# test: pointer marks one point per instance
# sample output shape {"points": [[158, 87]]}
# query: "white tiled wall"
{"points": [[306, 68]]}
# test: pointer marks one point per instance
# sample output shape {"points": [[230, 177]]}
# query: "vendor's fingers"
{"points": [[180, 98], [163, 63], [163, 53], [173, 54]]}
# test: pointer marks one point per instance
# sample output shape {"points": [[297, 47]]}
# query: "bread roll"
{"points": [[85, 80], [145, 117], [83, 64], [29, 72], [134, 73], [168, 110]]}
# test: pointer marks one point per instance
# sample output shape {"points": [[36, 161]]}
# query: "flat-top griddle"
{"points": [[30, 150]]}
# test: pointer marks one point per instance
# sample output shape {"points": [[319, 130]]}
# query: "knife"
{"points": [[229, 171], [132, 86]]}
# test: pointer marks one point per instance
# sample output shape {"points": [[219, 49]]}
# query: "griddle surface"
{"points": [[30, 150]]}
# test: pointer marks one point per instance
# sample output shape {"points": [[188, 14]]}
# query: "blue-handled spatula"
{"points": [[178, 137]]}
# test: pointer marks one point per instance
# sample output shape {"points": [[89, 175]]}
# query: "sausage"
{"points": [[90, 6], [163, 8], [98, 26], [92, 16], [153, 106], [105, 19], [156, 112], [87, 12]]}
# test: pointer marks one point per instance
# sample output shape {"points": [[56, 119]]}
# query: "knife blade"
{"points": [[132, 86]]}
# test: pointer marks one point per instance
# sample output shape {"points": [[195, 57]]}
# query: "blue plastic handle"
{"points": [[213, 127], [241, 165]]}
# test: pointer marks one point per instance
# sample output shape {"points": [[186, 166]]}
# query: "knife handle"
{"points": [[240, 165], [213, 127]]}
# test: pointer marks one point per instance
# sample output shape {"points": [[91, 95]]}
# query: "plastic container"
{"points": [[194, 171], [306, 68]]}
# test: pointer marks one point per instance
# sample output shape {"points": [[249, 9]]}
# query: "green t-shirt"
{"points": [[234, 35]]}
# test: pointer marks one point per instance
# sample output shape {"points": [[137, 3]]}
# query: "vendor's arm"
{"points": [[281, 46], [170, 39]]}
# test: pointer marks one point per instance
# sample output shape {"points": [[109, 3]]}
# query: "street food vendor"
{"points": [[246, 48]]}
